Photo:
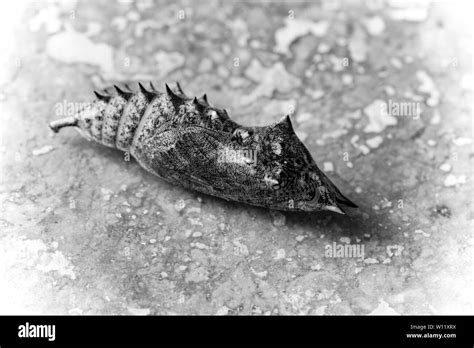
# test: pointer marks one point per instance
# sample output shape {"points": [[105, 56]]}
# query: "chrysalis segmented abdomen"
{"points": [[188, 142], [98, 120], [114, 120], [129, 121]]}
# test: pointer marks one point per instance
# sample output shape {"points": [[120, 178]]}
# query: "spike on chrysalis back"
{"points": [[176, 100], [180, 90], [199, 107], [122, 93], [285, 124], [148, 94], [103, 97]]}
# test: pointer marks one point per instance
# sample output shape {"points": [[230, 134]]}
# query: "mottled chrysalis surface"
{"points": [[190, 143]]}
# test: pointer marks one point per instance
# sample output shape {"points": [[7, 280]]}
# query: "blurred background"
{"points": [[379, 91]]}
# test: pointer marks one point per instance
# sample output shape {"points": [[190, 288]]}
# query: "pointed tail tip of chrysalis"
{"points": [[345, 201], [341, 208], [56, 125], [342, 202], [335, 209]]}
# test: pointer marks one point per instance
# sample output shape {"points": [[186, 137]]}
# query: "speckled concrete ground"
{"points": [[84, 231]]}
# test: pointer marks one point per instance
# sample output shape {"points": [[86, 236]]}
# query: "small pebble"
{"points": [[201, 246], [75, 311], [432, 101], [280, 254], [261, 274], [452, 180], [278, 219], [445, 167], [223, 311], [240, 248], [389, 90], [423, 233], [42, 150], [375, 141], [396, 63], [375, 25], [300, 238], [106, 193], [371, 261], [364, 149], [345, 240], [442, 210], [133, 16], [323, 48], [328, 167], [394, 250], [347, 79], [316, 94], [139, 311], [436, 119], [180, 205], [462, 141]]}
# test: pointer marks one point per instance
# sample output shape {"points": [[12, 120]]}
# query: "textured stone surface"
{"points": [[84, 230]]}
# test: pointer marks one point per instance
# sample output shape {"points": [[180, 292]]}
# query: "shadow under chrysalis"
{"points": [[190, 143]]}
